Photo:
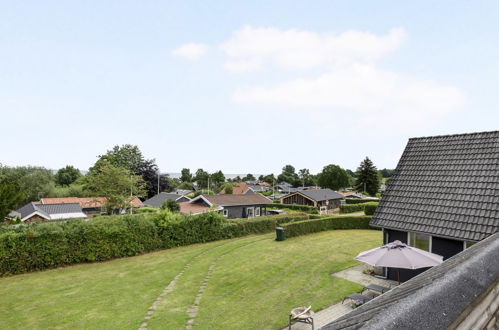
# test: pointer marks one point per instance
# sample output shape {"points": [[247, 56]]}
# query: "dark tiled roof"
{"points": [[159, 199], [60, 208], [433, 299], [320, 194], [446, 186], [232, 200]]}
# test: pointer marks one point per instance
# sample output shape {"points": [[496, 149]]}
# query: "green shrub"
{"points": [[146, 209], [370, 208], [359, 200], [329, 223], [350, 208], [303, 208], [37, 246]]}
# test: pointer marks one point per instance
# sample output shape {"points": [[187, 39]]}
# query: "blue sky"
{"points": [[242, 87]]}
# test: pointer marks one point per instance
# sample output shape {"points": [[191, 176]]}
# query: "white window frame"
{"points": [[225, 213], [257, 211], [252, 212]]}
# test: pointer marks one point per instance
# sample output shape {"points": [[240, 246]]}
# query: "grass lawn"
{"points": [[254, 283]]}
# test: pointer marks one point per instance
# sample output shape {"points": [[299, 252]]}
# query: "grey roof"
{"points": [[433, 299], [47, 209], [159, 199], [321, 194], [445, 186], [257, 188], [235, 200]]}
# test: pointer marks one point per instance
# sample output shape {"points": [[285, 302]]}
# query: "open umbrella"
{"points": [[399, 255]]}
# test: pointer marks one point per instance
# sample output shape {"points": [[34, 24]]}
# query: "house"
{"points": [[460, 293], [230, 205], [444, 195], [240, 188], [89, 205], [159, 199], [258, 188], [322, 199], [41, 212]]}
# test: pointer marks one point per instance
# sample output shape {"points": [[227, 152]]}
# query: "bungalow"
{"points": [[91, 206], [444, 195], [159, 199], [231, 206], [240, 188], [322, 199], [41, 212]]}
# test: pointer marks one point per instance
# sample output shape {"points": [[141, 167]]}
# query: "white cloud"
{"points": [[252, 48], [190, 51]]}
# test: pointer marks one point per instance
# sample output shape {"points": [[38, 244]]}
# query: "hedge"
{"points": [[350, 208], [370, 208], [303, 208], [359, 200], [330, 223], [32, 247]]}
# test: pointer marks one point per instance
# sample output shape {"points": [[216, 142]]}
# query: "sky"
{"points": [[245, 87]]}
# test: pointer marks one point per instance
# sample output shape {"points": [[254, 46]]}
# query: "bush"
{"points": [[146, 209], [37, 246], [170, 205], [329, 223], [349, 208], [359, 200], [303, 208], [370, 208]]}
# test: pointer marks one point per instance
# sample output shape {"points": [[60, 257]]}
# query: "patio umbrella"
{"points": [[399, 255]]}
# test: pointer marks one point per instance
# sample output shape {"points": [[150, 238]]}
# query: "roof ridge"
{"points": [[449, 135]]}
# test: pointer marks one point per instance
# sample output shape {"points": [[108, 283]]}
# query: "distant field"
{"points": [[253, 283]]}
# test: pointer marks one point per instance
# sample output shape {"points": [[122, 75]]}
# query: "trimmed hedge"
{"points": [[330, 223], [303, 208], [38, 246], [350, 208], [370, 208], [359, 200]]}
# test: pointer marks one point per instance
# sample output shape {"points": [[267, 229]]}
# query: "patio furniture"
{"points": [[303, 315], [358, 299], [377, 288]]}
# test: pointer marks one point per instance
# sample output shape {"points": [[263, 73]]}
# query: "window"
{"points": [[225, 212], [420, 241], [257, 211], [250, 212]]}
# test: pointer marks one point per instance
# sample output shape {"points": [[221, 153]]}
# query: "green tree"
{"points": [[186, 175], [115, 183], [333, 177], [249, 177], [171, 205], [270, 178], [289, 175], [306, 178], [201, 178], [32, 182], [217, 178], [10, 197], [130, 157], [366, 177], [67, 175]]}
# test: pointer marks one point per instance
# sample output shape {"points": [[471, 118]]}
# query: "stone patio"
{"points": [[331, 313]]}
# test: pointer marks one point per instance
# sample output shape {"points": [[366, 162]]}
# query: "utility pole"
{"points": [[159, 173]]}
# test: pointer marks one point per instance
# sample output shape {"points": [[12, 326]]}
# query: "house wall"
{"points": [[331, 204], [240, 211], [298, 199], [446, 247]]}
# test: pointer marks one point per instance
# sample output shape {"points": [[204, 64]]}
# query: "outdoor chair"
{"points": [[358, 299], [303, 315]]}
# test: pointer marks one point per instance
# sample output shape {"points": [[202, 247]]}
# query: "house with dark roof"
{"points": [[42, 212], [460, 293], [159, 199], [91, 206], [444, 195], [323, 199], [231, 206]]}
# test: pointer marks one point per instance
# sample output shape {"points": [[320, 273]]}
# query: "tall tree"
{"points": [[67, 175], [33, 182], [304, 175], [115, 183], [10, 197], [270, 178], [130, 157], [289, 175], [249, 177], [185, 175], [366, 177], [202, 178], [333, 177], [217, 178]]}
